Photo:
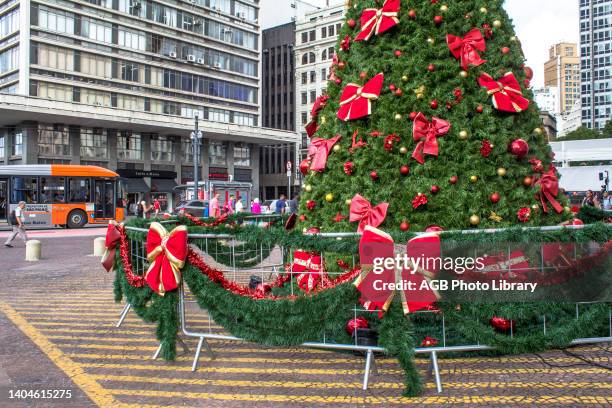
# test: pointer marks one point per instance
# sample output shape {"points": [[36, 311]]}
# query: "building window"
{"points": [[94, 144], [1, 148], [304, 118], [242, 156], [96, 30], [162, 148], [304, 37], [129, 71], [313, 77], [304, 78], [129, 146], [304, 98], [187, 154], [17, 145], [9, 60], [217, 154], [9, 23], [313, 96], [323, 73], [55, 20], [53, 141], [312, 35]]}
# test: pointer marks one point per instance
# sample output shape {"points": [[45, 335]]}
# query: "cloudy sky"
{"points": [[538, 23]]}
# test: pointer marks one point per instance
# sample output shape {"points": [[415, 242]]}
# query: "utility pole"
{"points": [[196, 141]]}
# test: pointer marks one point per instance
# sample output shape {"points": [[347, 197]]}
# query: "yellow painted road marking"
{"points": [[70, 317], [315, 371], [357, 385], [94, 391], [112, 324], [503, 399]]}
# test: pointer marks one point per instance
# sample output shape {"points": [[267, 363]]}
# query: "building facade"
{"points": [[315, 43], [562, 71], [547, 98], [117, 83], [596, 62], [278, 108]]}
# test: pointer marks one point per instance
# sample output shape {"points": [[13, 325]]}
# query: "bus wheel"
{"points": [[77, 219]]}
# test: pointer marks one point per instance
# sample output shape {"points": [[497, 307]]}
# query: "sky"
{"points": [[538, 23]]}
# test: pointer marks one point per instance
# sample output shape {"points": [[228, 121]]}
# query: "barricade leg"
{"points": [[124, 313], [368, 365], [157, 352], [436, 370]]}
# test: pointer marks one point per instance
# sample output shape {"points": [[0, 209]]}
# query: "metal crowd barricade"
{"points": [[369, 351]]}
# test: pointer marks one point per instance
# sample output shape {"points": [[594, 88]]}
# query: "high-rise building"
{"points": [[118, 83], [562, 71], [315, 44], [596, 62], [278, 108]]}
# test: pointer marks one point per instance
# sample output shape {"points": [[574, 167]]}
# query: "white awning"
{"points": [[582, 178]]}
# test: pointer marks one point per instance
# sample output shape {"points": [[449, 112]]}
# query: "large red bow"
{"points": [[377, 21], [426, 133], [356, 101], [113, 237], [166, 253], [422, 253], [318, 151], [319, 104], [465, 49], [310, 269], [549, 189], [361, 210], [506, 92]]}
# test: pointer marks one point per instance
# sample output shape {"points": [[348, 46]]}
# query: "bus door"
{"points": [[4, 202], [104, 199]]}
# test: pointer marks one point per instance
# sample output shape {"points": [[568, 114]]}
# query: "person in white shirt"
{"points": [[239, 205], [17, 220]]}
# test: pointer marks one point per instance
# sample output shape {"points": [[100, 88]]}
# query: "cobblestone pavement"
{"points": [[57, 331]]}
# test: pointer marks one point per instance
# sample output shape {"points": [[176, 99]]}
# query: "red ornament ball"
{"points": [[431, 68], [398, 92], [479, 109], [404, 226], [577, 221], [397, 53], [412, 14], [495, 197], [505, 50], [412, 115], [338, 81], [310, 204], [304, 166], [527, 83], [302, 218], [374, 175], [434, 228], [528, 73], [362, 75], [356, 323], [438, 20], [454, 179], [404, 170], [501, 324], [518, 148], [351, 23], [313, 230], [434, 104], [527, 181], [392, 87], [435, 189]]}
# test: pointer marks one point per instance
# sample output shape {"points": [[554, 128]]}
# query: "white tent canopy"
{"points": [[598, 150], [582, 178]]}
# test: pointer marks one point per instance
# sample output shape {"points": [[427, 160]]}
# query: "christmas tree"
{"points": [[428, 121]]}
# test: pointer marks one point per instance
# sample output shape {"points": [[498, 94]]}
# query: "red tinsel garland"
{"points": [[222, 219], [134, 280]]}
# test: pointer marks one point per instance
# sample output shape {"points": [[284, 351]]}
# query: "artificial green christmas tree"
{"points": [[428, 118]]}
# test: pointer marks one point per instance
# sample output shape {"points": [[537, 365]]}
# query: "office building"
{"points": [[118, 83], [596, 62], [562, 71], [315, 43]]}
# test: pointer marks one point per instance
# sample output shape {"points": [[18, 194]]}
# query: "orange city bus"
{"points": [[61, 194]]}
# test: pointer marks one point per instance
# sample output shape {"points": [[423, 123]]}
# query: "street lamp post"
{"points": [[196, 141]]}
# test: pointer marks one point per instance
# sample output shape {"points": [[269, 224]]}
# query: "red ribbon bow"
{"points": [[319, 104], [377, 21], [166, 252], [549, 189], [113, 238], [318, 151], [426, 133], [356, 101], [376, 296], [506, 92], [310, 269], [465, 49], [361, 210]]}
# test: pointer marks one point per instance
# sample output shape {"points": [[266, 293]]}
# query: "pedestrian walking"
{"points": [[607, 201], [214, 206], [256, 207], [239, 205], [17, 220], [156, 207], [280, 205]]}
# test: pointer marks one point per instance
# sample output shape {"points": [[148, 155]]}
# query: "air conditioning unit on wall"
{"points": [[172, 55], [191, 58], [201, 61]]}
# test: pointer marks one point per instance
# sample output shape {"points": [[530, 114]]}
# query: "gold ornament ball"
{"points": [[513, 39], [398, 116], [323, 120], [308, 188], [431, 41], [444, 8], [483, 10], [463, 135], [497, 24], [348, 201], [463, 74], [535, 207], [403, 150], [474, 220], [538, 131], [501, 172], [473, 179], [420, 95], [404, 78], [337, 149], [329, 197], [567, 210]]}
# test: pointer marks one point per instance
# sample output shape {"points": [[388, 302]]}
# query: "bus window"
{"points": [[79, 190], [52, 190], [24, 189]]}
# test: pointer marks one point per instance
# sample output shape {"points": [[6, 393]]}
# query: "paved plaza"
{"points": [[57, 331]]}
